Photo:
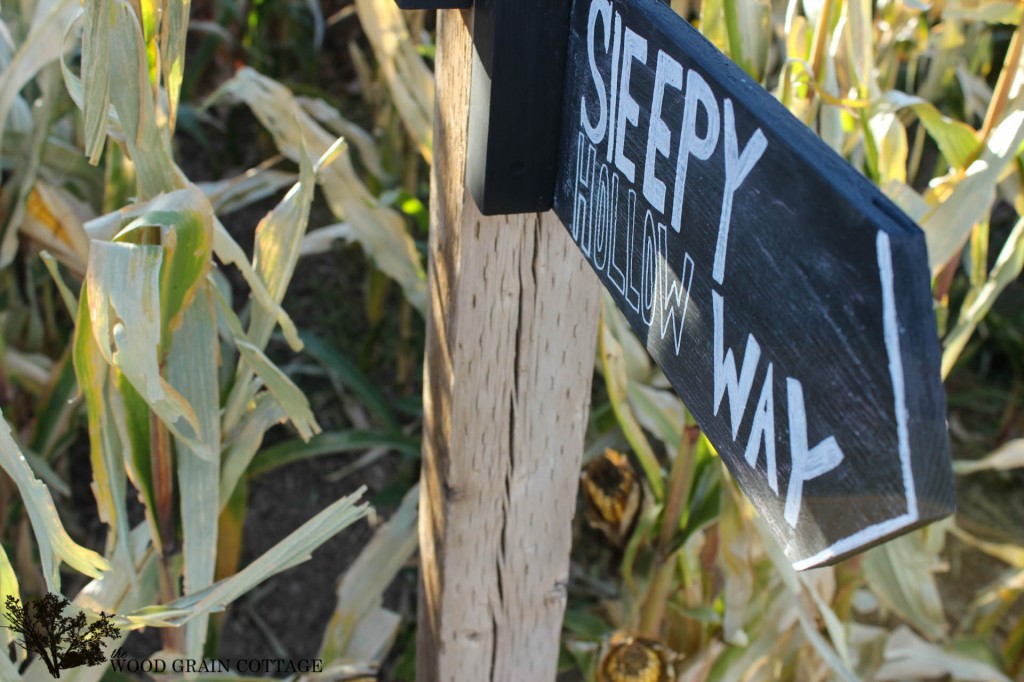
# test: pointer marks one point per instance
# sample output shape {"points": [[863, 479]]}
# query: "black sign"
{"points": [[785, 298]]}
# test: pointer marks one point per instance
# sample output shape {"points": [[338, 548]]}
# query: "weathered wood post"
{"points": [[510, 353]]}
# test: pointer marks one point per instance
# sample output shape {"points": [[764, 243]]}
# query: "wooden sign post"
{"points": [[506, 396], [785, 298]]}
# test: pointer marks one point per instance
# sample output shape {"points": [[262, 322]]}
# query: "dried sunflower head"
{"points": [[612, 495], [635, 659]]}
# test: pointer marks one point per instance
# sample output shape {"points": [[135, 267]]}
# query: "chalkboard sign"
{"points": [[785, 298]]}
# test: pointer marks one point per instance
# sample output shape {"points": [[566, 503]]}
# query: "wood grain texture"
{"points": [[510, 348]]}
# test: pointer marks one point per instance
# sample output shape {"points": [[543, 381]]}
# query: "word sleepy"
{"points": [[634, 255], [625, 110]]}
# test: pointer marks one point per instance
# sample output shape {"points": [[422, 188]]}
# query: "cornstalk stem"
{"points": [[1001, 95], [680, 479]]}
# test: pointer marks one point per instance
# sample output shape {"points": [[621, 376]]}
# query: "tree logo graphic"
{"points": [[61, 641]]}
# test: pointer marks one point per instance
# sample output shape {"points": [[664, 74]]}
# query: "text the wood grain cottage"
{"points": [[786, 300]]}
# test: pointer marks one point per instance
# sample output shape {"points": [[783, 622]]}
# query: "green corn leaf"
{"points": [[184, 218], [956, 140], [123, 285], [747, 25], [52, 426], [108, 484], [132, 416]]}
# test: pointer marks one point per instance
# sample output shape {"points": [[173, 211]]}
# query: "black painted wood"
{"points": [[518, 72], [796, 320]]}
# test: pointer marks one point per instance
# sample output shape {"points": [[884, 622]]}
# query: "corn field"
{"points": [[176, 178]]}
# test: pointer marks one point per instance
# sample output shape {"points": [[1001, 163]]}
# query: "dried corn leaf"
{"points": [[378, 229], [907, 656], [55, 545], [1009, 455], [409, 79], [358, 612], [192, 370], [900, 573], [291, 551]]}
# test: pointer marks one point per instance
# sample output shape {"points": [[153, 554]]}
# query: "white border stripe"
{"points": [[890, 324], [892, 346]]}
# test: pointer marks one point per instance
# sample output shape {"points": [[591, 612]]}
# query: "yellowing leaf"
{"points": [[378, 229], [956, 140], [948, 225]]}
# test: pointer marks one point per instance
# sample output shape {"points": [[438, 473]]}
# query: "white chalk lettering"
{"points": [[659, 137], [737, 168], [632, 292], [584, 181], [763, 428], [614, 89], [648, 272], [634, 48], [805, 463], [675, 292], [603, 220], [698, 93], [615, 273], [725, 368], [596, 132]]}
